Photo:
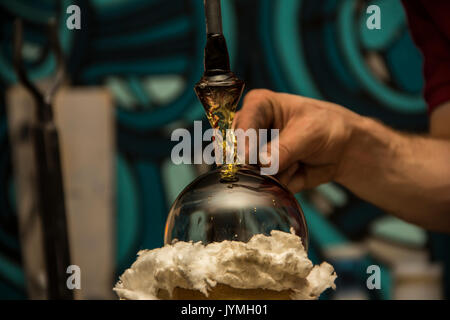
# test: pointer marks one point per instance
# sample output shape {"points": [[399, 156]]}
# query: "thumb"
{"points": [[283, 151]]}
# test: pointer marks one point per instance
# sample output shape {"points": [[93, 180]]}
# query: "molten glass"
{"points": [[213, 210]]}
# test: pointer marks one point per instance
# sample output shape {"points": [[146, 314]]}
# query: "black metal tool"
{"points": [[50, 189]]}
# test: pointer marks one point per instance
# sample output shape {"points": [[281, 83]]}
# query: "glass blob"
{"points": [[213, 210]]}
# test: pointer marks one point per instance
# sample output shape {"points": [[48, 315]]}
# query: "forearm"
{"points": [[406, 175]]}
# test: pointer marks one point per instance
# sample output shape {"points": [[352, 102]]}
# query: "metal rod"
{"points": [[213, 16], [216, 52], [59, 56], [18, 63]]}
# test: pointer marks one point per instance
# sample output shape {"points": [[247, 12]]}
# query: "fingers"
{"points": [[264, 109], [286, 176], [308, 177], [298, 155], [256, 112], [288, 148]]}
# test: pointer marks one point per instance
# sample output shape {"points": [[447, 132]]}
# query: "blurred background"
{"points": [[139, 60]]}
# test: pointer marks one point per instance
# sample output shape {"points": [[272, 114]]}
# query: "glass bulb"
{"points": [[212, 210]]}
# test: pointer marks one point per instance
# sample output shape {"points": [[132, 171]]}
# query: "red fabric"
{"points": [[429, 22]]}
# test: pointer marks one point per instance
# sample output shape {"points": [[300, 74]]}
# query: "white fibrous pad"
{"points": [[277, 262]]}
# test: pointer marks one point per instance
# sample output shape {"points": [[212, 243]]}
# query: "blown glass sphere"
{"points": [[213, 210]]}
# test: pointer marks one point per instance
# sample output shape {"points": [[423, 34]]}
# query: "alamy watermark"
{"points": [[74, 280], [73, 22], [237, 150], [374, 280], [374, 20]]}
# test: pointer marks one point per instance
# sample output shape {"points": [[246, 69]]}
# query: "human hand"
{"points": [[314, 134]]}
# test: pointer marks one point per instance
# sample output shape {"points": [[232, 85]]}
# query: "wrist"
{"points": [[369, 144]]}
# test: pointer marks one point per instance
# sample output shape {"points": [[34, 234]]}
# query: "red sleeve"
{"points": [[430, 27]]}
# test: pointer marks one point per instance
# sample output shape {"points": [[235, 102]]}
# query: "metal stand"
{"points": [[49, 185]]}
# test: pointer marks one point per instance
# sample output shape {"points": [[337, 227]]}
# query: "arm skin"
{"points": [[404, 174]]}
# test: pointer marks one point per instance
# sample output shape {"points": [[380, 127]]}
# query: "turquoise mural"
{"points": [[149, 54]]}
